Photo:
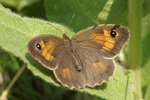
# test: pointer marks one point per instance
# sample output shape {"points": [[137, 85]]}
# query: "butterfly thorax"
{"points": [[67, 43]]}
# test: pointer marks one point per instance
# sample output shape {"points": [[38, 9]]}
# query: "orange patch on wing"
{"points": [[52, 57], [92, 36], [66, 72], [110, 40], [106, 33], [102, 38], [42, 44], [47, 57], [96, 67], [101, 66], [103, 47], [44, 52], [99, 41], [46, 49], [109, 45]]}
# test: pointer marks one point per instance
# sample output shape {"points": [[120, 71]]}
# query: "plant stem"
{"points": [[5, 92], [135, 43]]}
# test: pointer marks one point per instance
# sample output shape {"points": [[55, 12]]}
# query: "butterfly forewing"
{"points": [[101, 38], [47, 49]]}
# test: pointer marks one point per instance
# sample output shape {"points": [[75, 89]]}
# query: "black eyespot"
{"points": [[38, 46], [113, 34]]}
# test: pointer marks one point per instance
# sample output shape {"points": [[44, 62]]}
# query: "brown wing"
{"points": [[93, 72], [106, 40], [47, 49]]}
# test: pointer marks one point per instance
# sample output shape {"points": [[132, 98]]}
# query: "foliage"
{"points": [[16, 30]]}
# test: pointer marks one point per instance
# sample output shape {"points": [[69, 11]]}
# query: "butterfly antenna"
{"points": [[71, 20], [56, 28], [59, 29]]}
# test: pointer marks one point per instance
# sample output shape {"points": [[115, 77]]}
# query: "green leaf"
{"points": [[24, 3], [62, 11], [110, 11], [145, 72], [32, 8], [146, 7], [147, 95], [12, 3], [106, 11], [16, 31]]}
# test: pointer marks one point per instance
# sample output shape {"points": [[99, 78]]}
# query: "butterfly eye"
{"points": [[113, 34], [38, 46]]}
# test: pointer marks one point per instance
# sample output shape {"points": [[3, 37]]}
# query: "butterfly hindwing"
{"points": [[95, 68]]}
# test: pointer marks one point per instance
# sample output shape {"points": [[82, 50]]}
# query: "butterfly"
{"points": [[87, 59]]}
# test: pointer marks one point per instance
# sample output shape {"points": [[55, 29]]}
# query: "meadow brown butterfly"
{"points": [[84, 60]]}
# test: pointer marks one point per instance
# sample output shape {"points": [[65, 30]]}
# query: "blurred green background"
{"points": [[61, 11]]}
